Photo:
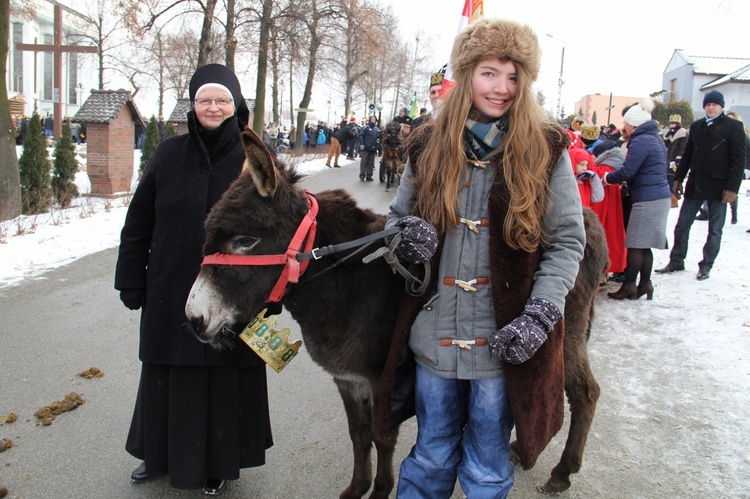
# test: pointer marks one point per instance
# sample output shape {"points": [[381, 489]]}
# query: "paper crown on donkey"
{"points": [[271, 345]]}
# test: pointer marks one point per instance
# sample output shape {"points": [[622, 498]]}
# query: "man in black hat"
{"points": [[715, 158]]}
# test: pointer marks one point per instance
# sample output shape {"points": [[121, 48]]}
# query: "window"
{"points": [[16, 83], [48, 70], [72, 78]]}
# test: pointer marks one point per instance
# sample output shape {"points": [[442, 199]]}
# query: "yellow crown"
{"points": [[436, 79], [271, 345], [590, 132], [675, 118]]}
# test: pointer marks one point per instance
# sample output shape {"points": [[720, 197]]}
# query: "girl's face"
{"points": [[494, 86], [582, 167]]}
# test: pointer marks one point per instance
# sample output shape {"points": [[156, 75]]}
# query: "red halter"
{"points": [[293, 268]]}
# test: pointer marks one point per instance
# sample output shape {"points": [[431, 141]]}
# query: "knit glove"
{"points": [[521, 338], [133, 298], [728, 196], [418, 240]]}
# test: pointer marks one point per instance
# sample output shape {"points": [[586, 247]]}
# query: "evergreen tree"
{"points": [[150, 142], [34, 169], [64, 170], [169, 130], [662, 112]]}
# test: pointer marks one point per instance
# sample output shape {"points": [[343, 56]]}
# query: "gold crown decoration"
{"points": [[675, 118], [271, 345], [577, 124], [436, 79], [589, 132]]}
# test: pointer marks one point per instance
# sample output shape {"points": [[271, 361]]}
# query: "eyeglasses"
{"points": [[207, 102]]}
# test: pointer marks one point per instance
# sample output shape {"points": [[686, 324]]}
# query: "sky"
{"points": [[617, 47]]}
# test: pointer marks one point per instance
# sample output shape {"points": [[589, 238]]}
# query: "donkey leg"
{"points": [[583, 392], [384, 479], [357, 398]]}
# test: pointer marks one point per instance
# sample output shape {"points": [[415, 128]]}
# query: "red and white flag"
{"points": [[473, 10]]}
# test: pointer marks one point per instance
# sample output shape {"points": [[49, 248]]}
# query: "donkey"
{"points": [[394, 151], [350, 335]]}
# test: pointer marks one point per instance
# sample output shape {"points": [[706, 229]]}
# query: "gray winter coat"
{"points": [[453, 313]]}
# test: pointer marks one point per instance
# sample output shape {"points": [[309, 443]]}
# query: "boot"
{"points": [[628, 290], [645, 288]]}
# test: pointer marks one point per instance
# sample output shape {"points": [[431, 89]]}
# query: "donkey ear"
{"points": [[259, 164]]}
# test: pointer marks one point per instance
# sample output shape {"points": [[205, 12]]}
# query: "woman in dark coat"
{"points": [[645, 170], [201, 414]]}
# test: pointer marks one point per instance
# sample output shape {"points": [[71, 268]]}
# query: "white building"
{"points": [[30, 73], [690, 77]]}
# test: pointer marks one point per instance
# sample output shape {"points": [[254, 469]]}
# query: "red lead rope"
{"points": [[302, 242]]}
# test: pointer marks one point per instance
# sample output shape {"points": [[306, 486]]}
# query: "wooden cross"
{"points": [[57, 48]]}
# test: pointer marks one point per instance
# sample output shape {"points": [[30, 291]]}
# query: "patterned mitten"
{"points": [[518, 341]]}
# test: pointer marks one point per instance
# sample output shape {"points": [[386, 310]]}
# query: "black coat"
{"points": [[161, 244], [715, 157]]}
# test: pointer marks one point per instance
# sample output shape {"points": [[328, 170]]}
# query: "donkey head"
{"points": [[258, 215]]}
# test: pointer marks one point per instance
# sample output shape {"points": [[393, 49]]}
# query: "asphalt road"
{"points": [[71, 319]]}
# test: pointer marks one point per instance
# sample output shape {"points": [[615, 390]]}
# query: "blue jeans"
{"points": [[463, 432], [717, 214]]}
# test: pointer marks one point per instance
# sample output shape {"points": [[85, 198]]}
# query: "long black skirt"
{"points": [[195, 423]]}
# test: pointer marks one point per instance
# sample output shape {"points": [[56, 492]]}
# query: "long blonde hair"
{"points": [[440, 168]]}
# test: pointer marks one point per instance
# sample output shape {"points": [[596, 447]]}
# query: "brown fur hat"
{"points": [[498, 38]]}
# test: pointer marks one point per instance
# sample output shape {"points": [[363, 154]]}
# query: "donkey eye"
{"points": [[244, 244]]}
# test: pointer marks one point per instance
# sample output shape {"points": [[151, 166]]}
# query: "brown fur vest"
{"points": [[536, 387]]}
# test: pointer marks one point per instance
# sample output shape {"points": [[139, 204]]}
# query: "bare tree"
{"points": [[357, 40], [10, 182], [260, 87], [316, 16], [143, 15], [108, 36]]}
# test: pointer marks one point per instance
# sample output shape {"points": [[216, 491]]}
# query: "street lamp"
{"points": [[560, 81], [379, 108]]}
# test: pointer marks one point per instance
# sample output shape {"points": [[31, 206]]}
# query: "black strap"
{"points": [[318, 253]]}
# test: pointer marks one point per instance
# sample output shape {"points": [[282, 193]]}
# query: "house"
{"points": [[601, 109], [690, 77], [111, 118], [30, 75]]}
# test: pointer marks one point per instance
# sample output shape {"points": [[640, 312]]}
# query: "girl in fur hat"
{"points": [[495, 180]]}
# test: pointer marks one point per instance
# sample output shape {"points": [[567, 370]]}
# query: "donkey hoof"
{"points": [[553, 486]]}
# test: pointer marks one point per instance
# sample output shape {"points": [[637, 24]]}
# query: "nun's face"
{"points": [[212, 107]]}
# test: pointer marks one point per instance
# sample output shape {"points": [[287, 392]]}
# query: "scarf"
{"points": [[483, 138]]}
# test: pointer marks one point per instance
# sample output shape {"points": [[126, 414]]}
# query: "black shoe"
{"points": [[671, 267], [369, 179], [139, 475], [703, 274], [361, 179], [734, 219], [701, 216], [214, 486], [328, 165], [336, 166]]}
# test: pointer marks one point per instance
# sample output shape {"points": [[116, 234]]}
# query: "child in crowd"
{"points": [[589, 184]]}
